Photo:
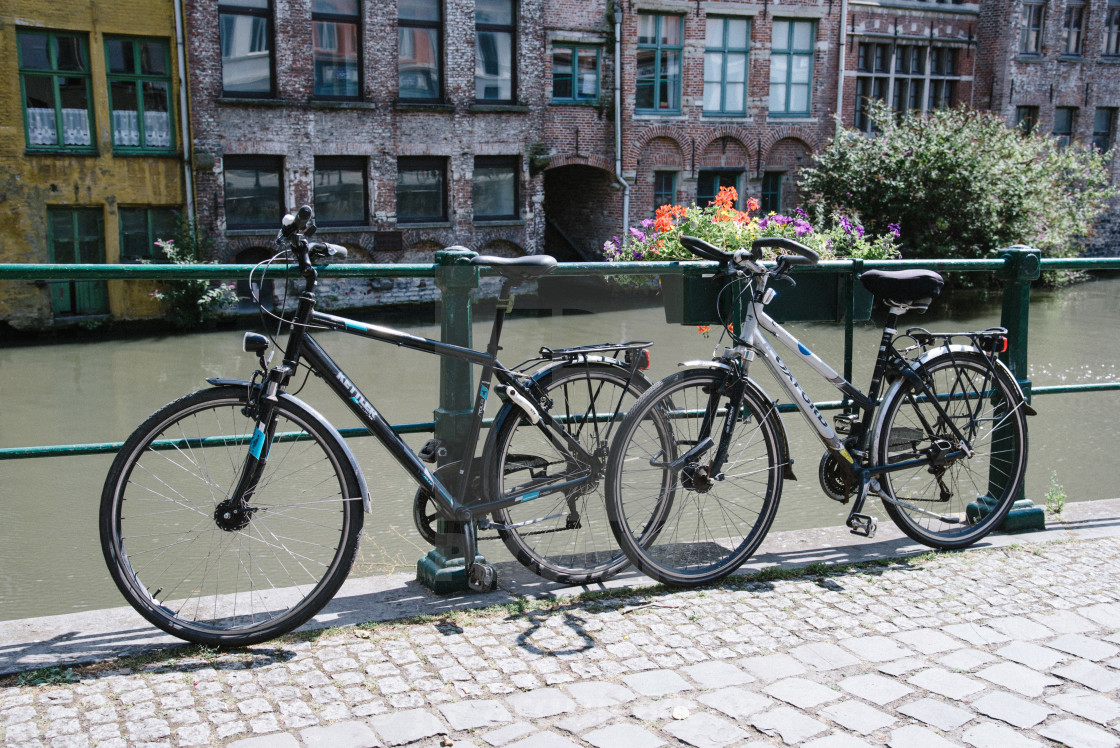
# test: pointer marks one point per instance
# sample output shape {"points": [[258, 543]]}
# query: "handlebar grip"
{"points": [[330, 251], [293, 224], [703, 249], [802, 254]]}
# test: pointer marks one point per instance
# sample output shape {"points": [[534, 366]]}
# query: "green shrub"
{"points": [[960, 183], [191, 303]]}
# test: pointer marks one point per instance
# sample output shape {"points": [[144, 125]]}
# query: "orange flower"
{"points": [[752, 203], [726, 198], [703, 329]]}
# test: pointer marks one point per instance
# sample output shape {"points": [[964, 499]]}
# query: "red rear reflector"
{"points": [[643, 358], [1002, 344]]}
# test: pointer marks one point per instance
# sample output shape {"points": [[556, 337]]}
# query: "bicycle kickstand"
{"points": [[858, 523]]}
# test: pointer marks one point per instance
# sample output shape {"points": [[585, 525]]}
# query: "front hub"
{"points": [[232, 516], [695, 477]]}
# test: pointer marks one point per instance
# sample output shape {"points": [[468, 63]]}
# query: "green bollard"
{"points": [[443, 569]]}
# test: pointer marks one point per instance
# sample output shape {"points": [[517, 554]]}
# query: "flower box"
{"points": [[818, 297]]}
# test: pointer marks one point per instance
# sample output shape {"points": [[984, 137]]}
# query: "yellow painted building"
{"points": [[91, 151]]}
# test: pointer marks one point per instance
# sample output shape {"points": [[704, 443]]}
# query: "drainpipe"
{"points": [[618, 120], [840, 66], [184, 118]]}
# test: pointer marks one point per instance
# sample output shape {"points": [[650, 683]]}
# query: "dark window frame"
{"points": [[658, 74], [262, 163], [771, 198], [54, 73], [703, 200], [1073, 30], [95, 290], [1033, 27], [791, 52], [575, 48], [438, 27], [873, 79], [139, 78], [359, 164], [424, 163], [725, 51], [340, 18], [1066, 135], [1027, 115], [661, 194], [513, 163], [1103, 136], [149, 214], [232, 8], [1111, 31], [511, 29]]}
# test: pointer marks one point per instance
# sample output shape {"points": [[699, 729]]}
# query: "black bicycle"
{"points": [[233, 514], [944, 449]]}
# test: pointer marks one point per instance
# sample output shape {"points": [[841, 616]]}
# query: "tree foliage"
{"points": [[961, 184]]}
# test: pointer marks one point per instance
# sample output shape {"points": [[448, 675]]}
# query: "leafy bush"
{"points": [[961, 184], [721, 224], [191, 303]]}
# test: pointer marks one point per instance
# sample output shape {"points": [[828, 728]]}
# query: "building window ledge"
{"points": [[402, 105], [244, 101], [340, 104], [1071, 58], [409, 225], [482, 107], [62, 151], [498, 222], [251, 232], [777, 119]]}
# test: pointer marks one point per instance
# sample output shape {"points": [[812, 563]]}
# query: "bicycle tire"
{"points": [[985, 404], [688, 536], [173, 561], [555, 549]]}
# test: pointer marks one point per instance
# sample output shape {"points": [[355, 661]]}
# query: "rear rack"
{"points": [[990, 340], [550, 354]]}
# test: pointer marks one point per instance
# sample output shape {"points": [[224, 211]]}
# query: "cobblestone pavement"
{"points": [[1006, 647]]}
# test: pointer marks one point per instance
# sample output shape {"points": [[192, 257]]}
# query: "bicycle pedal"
{"points": [[432, 450], [863, 524]]}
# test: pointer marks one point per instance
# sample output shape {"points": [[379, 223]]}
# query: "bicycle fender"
{"points": [[955, 348], [756, 389], [362, 488]]}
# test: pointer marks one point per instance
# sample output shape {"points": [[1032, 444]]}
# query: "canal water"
{"points": [[50, 557]]}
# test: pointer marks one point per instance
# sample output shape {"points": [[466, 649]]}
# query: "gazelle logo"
{"points": [[356, 396]]}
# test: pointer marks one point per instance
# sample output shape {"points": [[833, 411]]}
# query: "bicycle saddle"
{"points": [[517, 268], [903, 286]]}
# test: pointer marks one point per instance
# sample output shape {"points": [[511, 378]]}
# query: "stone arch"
{"points": [[811, 140], [784, 159], [501, 248], [578, 159], [582, 208], [421, 252], [725, 151], [735, 132], [661, 152]]}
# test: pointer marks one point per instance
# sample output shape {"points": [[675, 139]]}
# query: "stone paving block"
{"points": [[824, 656], [542, 702], [1084, 647], [340, 735], [596, 694], [837, 740], [915, 736], [737, 703], [1087, 704], [582, 721], [875, 688], [857, 716], [280, 740], [1018, 678], [976, 634], [407, 726], [506, 734], [1032, 655], [950, 685], [628, 735], [772, 667], [1090, 674], [903, 666], [1074, 734], [876, 648], [791, 725], [656, 682], [716, 674], [1011, 709], [470, 715], [802, 693], [928, 641], [1065, 622], [989, 735], [937, 713], [704, 730], [1019, 628], [1105, 614], [966, 659], [544, 740]]}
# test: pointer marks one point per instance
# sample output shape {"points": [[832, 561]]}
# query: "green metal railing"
{"points": [[1017, 267]]}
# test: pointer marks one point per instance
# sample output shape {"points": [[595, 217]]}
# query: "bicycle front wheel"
{"points": [[680, 524], [566, 536], [954, 503], [190, 562]]}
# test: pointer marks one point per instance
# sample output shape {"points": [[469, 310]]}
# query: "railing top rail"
{"points": [[45, 271]]}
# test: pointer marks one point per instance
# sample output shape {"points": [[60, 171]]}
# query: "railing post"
{"points": [[1021, 266], [850, 316], [443, 568]]}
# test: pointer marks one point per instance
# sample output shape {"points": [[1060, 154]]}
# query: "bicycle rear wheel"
{"points": [[676, 524], [954, 504], [181, 553], [568, 538]]}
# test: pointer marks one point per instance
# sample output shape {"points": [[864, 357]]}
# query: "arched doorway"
{"points": [[583, 208]]}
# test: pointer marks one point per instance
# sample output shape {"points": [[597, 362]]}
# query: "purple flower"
{"points": [[800, 213], [647, 223], [859, 231], [895, 229], [637, 255], [845, 224], [801, 227], [638, 233]]}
